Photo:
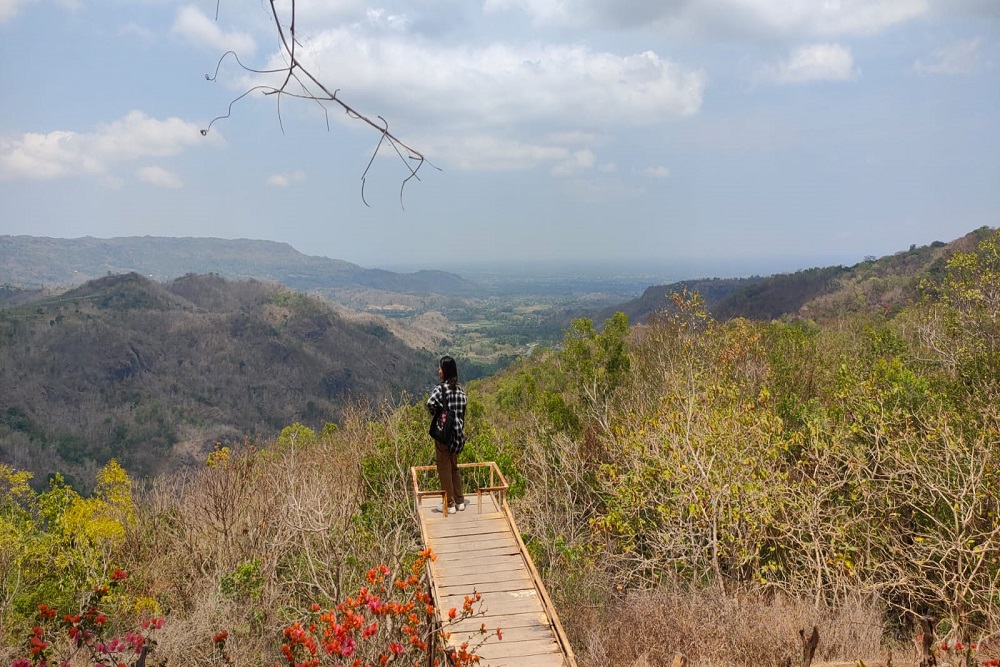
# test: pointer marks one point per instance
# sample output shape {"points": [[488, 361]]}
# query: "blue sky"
{"points": [[782, 132]]}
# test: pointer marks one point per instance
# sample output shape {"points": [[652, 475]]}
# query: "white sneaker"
{"points": [[440, 509], [461, 506]]}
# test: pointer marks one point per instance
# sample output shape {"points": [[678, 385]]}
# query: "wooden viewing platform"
{"points": [[480, 550]]}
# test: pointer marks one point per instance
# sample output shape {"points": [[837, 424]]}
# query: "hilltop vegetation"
{"points": [[153, 374], [818, 294], [689, 484]]}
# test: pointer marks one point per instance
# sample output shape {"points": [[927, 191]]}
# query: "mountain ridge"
{"points": [[35, 261]]}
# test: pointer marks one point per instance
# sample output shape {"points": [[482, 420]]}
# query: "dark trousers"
{"points": [[447, 465]]}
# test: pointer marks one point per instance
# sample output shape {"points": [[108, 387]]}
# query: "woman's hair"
{"points": [[450, 370]]}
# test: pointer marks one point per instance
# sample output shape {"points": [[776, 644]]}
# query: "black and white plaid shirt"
{"points": [[456, 402]]}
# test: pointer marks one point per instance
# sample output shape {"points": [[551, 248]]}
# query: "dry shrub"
{"points": [[717, 629], [247, 544]]}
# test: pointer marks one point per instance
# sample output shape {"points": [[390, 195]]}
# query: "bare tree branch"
{"points": [[311, 88]]}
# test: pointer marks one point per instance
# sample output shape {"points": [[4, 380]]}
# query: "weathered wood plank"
{"points": [[503, 602], [511, 636], [440, 546], [468, 529], [503, 621], [504, 649], [550, 660], [458, 564], [484, 587], [473, 579], [479, 553]]}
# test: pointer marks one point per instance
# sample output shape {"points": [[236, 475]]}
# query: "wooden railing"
{"points": [[497, 487]]}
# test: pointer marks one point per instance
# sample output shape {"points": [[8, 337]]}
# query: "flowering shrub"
{"points": [[385, 623], [59, 638], [960, 652]]}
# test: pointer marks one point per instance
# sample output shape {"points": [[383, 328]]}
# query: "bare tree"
{"points": [[297, 81]]}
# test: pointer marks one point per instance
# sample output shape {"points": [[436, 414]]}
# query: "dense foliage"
{"points": [[787, 458]]}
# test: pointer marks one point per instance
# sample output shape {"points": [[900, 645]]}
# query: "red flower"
{"points": [[220, 637], [37, 646]]}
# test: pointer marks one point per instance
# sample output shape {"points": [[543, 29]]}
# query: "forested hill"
{"points": [[876, 284], [30, 261], [152, 373]]}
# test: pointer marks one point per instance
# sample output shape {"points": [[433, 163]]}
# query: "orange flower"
{"points": [[451, 613]]}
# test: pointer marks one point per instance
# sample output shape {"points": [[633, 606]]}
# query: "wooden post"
{"points": [[926, 641], [433, 622], [809, 645]]}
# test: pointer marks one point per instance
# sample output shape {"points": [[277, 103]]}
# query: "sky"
{"points": [[782, 134]]}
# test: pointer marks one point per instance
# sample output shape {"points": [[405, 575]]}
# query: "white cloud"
{"points": [[382, 18], [44, 156], [816, 62], [65, 153], [576, 162], [199, 29], [566, 95], [10, 8], [141, 33], [830, 17], [954, 59], [284, 180], [317, 12], [756, 18], [160, 177], [656, 172], [498, 84], [137, 135], [487, 153]]}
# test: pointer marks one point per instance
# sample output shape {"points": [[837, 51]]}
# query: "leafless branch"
{"points": [[311, 88]]}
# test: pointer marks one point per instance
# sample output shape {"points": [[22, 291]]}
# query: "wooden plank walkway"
{"points": [[480, 550]]}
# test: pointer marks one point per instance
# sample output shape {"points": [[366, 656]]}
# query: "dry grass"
{"points": [[247, 545], [716, 629]]}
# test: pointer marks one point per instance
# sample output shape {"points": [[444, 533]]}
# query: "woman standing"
{"points": [[449, 393]]}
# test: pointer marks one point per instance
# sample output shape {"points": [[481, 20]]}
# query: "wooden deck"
{"points": [[480, 550]]}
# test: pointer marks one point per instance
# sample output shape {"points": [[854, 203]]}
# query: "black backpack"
{"points": [[443, 423]]}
